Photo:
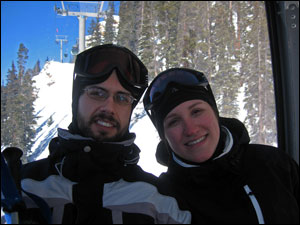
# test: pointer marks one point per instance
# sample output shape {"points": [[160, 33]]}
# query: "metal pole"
{"points": [[81, 33], [61, 39], [61, 59]]}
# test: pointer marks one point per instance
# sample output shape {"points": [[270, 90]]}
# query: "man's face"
{"points": [[104, 120]]}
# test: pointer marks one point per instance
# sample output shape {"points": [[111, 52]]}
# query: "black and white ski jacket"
{"points": [[243, 184], [83, 181]]}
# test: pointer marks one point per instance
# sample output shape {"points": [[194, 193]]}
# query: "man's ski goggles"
{"points": [[187, 78], [99, 61]]}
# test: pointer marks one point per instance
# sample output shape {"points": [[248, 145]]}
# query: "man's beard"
{"points": [[101, 136]]}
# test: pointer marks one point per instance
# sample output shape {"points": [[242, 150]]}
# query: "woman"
{"points": [[211, 165]]}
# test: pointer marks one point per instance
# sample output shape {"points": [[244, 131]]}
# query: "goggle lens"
{"points": [[178, 76]]}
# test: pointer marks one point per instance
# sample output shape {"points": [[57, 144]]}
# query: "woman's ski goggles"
{"points": [[99, 61], [187, 78]]}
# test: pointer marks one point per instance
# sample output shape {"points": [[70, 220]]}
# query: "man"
{"points": [[91, 174]]}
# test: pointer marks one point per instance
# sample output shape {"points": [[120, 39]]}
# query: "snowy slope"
{"points": [[54, 84], [55, 98]]}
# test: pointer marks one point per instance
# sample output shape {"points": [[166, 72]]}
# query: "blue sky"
{"points": [[35, 24]]}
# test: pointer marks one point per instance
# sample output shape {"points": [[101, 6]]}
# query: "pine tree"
{"points": [[169, 17], [29, 119], [146, 41], [124, 21], [183, 35], [135, 26], [21, 100], [226, 77], [18, 117], [129, 25], [4, 116], [95, 33], [256, 69], [11, 114], [201, 22], [109, 33], [37, 68], [22, 60], [189, 34]]}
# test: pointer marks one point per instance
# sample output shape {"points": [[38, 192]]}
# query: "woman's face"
{"points": [[192, 130]]}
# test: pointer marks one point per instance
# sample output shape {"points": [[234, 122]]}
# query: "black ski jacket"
{"points": [[245, 184], [83, 181]]}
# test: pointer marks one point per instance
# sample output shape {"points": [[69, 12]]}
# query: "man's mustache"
{"points": [[105, 117]]}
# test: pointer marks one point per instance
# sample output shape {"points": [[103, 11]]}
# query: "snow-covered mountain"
{"points": [[54, 84]]}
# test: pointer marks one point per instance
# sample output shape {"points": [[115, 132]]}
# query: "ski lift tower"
{"points": [[87, 9], [61, 39]]}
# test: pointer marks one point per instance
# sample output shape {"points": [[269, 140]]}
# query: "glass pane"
{"points": [[227, 40]]}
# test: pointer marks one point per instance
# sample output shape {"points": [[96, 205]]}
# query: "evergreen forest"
{"points": [[17, 110], [227, 40]]}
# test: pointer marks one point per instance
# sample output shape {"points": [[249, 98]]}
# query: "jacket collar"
{"points": [[65, 134]]}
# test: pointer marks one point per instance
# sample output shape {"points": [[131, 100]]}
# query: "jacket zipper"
{"points": [[255, 204]]}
